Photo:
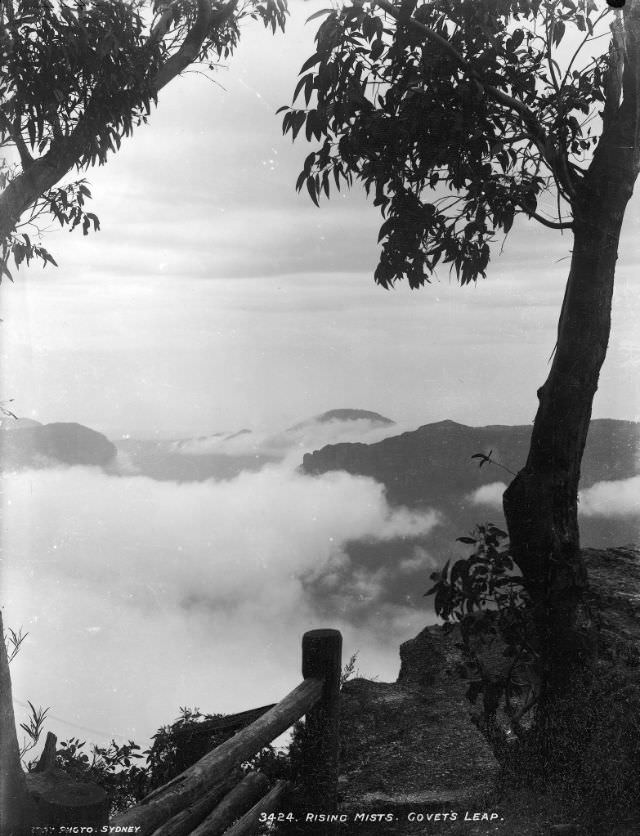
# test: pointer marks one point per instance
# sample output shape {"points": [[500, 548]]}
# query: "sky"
{"points": [[215, 298]]}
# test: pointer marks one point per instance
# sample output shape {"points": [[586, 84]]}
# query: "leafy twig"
{"points": [[486, 458], [12, 639]]}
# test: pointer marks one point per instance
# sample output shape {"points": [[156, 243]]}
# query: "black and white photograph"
{"points": [[319, 417]]}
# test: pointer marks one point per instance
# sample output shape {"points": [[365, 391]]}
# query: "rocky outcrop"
{"points": [[614, 581], [434, 658], [410, 750], [411, 745], [407, 748]]}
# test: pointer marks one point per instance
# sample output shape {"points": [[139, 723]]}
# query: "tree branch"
{"points": [[162, 26], [549, 27], [551, 224], [618, 149], [516, 138], [494, 92], [192, 44], [578, 50], [15, 135], [551, 155], [190, 47], [40, 175]]}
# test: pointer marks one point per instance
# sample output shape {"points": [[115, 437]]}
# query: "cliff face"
{"points": [[53, 444], [411, 745], [614, 579], [614, 607]]}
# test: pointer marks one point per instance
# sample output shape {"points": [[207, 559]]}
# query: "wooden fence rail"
{"points": [[201, 800], [231, 722], [211, 797]]}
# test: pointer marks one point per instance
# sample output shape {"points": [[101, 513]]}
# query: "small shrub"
{"points": [[113, 767], [129, 774], [485, 596]]}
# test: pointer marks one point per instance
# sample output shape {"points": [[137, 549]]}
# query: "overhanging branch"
{"points": [[13, 131], [40, 175], [551, 224], [192, 44], [162, 26], [189, 49], [535, 129]]}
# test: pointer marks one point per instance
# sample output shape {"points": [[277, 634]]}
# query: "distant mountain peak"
{"points": [[353, 415], [346, 415]]}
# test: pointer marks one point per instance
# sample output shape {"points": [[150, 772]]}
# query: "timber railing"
{"points": [[208, 798]]}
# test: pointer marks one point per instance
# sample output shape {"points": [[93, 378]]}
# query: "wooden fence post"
{"points": [[57, 800], [322, 659]]}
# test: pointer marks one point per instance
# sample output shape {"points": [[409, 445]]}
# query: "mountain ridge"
{"points": [[432, 467]]}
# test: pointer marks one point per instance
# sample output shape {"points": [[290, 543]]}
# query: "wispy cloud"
{"points": [[290, 444]]}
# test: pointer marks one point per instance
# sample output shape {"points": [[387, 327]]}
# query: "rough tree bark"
{"points": [[541, 504], [13, 785]]}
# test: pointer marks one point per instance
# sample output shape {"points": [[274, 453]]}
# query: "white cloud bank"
{"points": [[490, 494], [603, 499], [140, 596], [611, 499]]}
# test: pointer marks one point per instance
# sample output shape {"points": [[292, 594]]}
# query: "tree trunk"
{"points": [[28, 186], [13, 787], [541, 504]]}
